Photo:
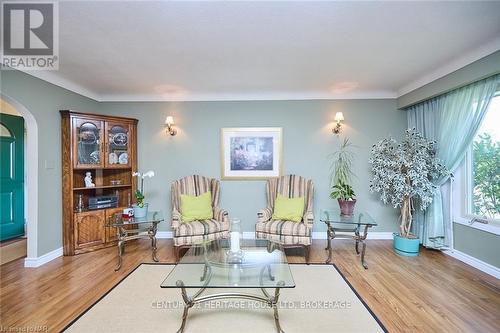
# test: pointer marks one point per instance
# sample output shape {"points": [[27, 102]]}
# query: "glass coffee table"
{"points": [[259, 265], [336, 222]]}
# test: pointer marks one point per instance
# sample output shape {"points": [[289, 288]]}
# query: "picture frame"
{"points": [[251, 153]]}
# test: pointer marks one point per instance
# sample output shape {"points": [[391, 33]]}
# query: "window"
{"points": [[482, 168], [4, 131]]}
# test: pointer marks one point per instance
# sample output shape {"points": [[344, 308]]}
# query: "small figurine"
{"points": [[88, 180]]}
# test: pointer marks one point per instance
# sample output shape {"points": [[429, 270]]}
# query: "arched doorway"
{"points": [[31, 165]]}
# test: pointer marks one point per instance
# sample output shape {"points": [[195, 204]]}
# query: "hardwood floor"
{"points": [[13, 249], [429, 293]]}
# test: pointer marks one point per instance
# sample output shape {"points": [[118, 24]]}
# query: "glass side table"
{"points": [[336, 222], [134, 228]]}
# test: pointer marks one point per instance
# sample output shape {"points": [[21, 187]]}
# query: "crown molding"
{"points": [[262, 96], [452, 66], [53, 78]]}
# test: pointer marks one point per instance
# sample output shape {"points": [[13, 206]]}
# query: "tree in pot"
{"points": [[341, 176], [403, 174]]}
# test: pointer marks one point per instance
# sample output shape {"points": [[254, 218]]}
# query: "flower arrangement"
{"points": [[403, 174], [139, 193]]}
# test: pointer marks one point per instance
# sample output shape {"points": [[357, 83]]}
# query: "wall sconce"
{"points": [[339, 117], [169, 124]]}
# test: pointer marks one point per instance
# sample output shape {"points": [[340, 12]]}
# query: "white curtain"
{"points": [[452, 120]]}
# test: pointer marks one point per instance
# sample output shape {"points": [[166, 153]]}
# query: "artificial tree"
{"points": [[403, 174]]}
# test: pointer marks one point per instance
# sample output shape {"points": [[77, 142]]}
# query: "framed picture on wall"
{"points": [[251, 152]]}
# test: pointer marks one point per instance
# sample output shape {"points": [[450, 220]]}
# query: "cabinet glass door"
{"points": [[88, 143], [118, 145]]}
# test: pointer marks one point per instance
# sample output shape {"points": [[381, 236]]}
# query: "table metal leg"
{"points": [[153, 244], [363, 250], [188, 303], [120, 254], [363, 255], [356, 233], [152, 235], [271, 276], [329, 237], [274, 302]]}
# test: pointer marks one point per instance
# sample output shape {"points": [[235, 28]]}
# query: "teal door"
{"points": [[11, 176]]}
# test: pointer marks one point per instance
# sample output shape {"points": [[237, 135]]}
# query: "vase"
{"points": [[407, 247], [140, 212], [346, 207], [235, 255]]}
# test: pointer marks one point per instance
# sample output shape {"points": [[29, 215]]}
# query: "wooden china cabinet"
{"points": [[106, 147]]}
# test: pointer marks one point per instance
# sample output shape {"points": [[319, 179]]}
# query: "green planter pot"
{"points": [[407, 247], [140, 212]]}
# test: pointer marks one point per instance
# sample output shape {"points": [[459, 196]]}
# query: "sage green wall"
{"points": [[44, 101], [307, 141], [479, 244], [475, 71], [196, 149]]}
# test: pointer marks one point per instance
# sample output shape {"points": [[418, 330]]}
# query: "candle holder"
{"points": [[235, 255]]}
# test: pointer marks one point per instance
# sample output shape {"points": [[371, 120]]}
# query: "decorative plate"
{"points": [[113, 158], [94, 157], [120, 139], [88, 137], [123, 159]]}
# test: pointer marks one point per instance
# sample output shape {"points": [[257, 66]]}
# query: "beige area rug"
{"points": [[322, 301]]}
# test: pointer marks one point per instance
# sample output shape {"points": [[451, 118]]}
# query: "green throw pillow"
{"points": [[289, 209], [196, 207]]}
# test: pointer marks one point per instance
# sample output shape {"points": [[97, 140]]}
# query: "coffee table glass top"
{"points": [[118, 221], [331, 216], [260, 264]]}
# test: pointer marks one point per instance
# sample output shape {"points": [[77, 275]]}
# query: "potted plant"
{"points": [[345, 196], [341, 177], [403, 174], [141, 207]]}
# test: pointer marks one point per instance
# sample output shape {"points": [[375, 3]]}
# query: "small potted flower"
{"points": [[345, 196], [141, 207]]}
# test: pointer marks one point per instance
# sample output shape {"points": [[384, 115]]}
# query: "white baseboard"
{"points": [[371, 235], [39, 261], [322, 235], [380, 235], [474, 262], [164, 234], [315, 235], [248, 235]]}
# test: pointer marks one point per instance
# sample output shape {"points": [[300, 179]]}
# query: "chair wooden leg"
{"points": [[176, 253], [307, 250]]}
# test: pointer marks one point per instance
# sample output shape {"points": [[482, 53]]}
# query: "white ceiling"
{"points": [[159, 50]]}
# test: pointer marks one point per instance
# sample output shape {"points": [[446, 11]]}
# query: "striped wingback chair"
{"points": [[291, 234], [187, 234]]}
